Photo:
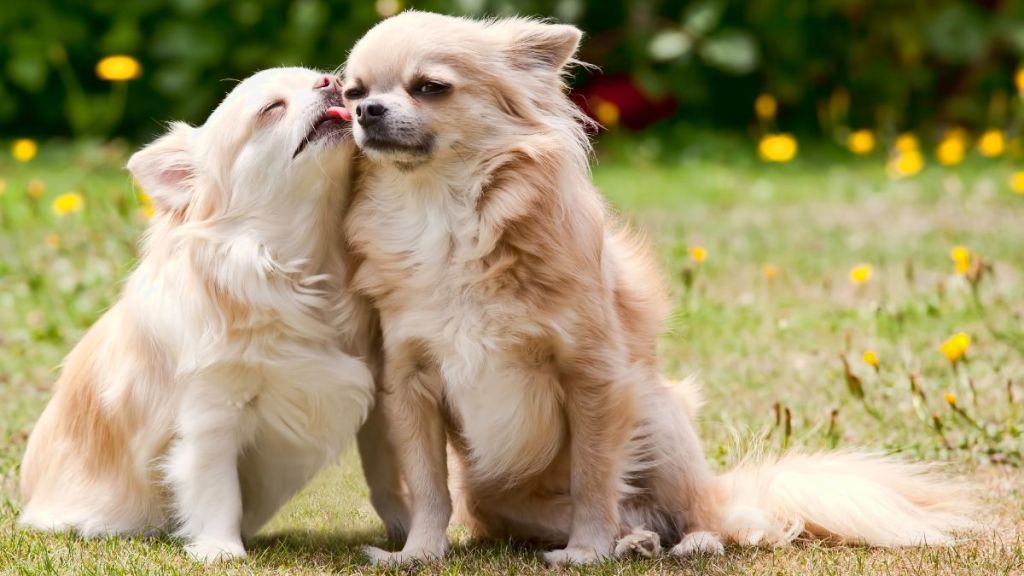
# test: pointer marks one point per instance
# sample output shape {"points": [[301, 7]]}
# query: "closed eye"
{"points": [[355, 93], [275, 105]]}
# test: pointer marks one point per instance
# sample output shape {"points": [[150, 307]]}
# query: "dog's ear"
{"points": [[165, 169], [536, 45]]}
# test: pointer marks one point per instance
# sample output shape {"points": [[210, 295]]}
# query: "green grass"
{"points": [[761, 347]]}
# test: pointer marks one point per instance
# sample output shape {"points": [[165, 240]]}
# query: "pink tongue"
{"points": [[339, 112]]}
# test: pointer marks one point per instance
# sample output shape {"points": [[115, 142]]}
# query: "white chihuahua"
{"points": [[232, 368]]}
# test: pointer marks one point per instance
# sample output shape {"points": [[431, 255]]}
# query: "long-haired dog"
{"points": [[521, 327], [232, 367]]}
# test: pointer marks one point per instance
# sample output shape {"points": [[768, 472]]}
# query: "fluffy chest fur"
{"points": [[453, 302]]}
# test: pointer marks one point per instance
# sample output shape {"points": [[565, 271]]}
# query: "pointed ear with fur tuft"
{"points": [[165, 169], [537, 45]]}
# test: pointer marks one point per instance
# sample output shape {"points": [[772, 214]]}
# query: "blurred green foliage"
{"points": [[890, 63]]}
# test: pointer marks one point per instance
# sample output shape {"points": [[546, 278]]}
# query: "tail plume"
{"points": [[845, 497]]}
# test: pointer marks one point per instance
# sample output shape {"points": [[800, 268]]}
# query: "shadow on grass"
{"points": [[342, 551]]}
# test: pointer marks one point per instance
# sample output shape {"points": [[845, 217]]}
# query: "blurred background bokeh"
{"points": [[821, 67]]}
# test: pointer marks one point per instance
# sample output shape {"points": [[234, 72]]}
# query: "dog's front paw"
{"points": [[699, 543], [379, 557], [572, 555], [210, 552], [639, 542]]}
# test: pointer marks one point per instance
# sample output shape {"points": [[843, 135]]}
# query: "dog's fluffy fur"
{"points": [[522, 328], [232, 367]]}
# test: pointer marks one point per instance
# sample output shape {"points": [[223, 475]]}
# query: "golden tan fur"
{"points": [[520, 327]]}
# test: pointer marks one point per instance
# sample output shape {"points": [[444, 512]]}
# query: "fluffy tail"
{"points": [[845, 497]]}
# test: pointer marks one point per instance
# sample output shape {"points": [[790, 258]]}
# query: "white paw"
{"points": [[210, 552], [640, 542], [573, 555], [379, 557], [699, 543]]}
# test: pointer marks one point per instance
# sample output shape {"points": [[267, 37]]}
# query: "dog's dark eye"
{"points": [[430, 88], [271, 107], [355, 93]]}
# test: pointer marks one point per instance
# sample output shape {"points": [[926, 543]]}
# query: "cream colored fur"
{"points": [[234, 365], [520, 328]]}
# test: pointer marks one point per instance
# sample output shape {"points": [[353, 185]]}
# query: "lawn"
{"points": [[759, 258]]}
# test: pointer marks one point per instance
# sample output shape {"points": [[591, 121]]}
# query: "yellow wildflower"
{"points": [[956, 346], [950, 399], [147, 205], [962, 267], [24, 149], [951, 150], [765, 106], [870, 358], [36, 188], [960, 254], [67, 203], [698, 253], [992, 143], [906, 142], [905, 163], [770, 271], [118, 68], [780, 147], [1017, 182], [861, 141], [1019, 79], [52, 240], [607, 113], [860, 273]]}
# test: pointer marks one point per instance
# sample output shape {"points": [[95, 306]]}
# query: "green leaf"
{"points": [[669, 45], [731, 51], [702, 17]]}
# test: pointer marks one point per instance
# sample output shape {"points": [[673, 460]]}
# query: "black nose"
{"points": [[370, 112]]}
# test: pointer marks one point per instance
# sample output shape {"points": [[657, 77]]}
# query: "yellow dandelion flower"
{"points": [[950, 399], [905, 164], [24, 149], [52, 240], [67, 203], [962, 267], [36, 188], [1019, 79], [951, 150], [956, 346], [960, 254], [770, 271], [861, 273], [861, 141], [992, 143], [118, 67], [147, 205], [607, 113], [906, 142], [780, 147], [870, 358], [1017, 182], [765, 106], [698, 254]]}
